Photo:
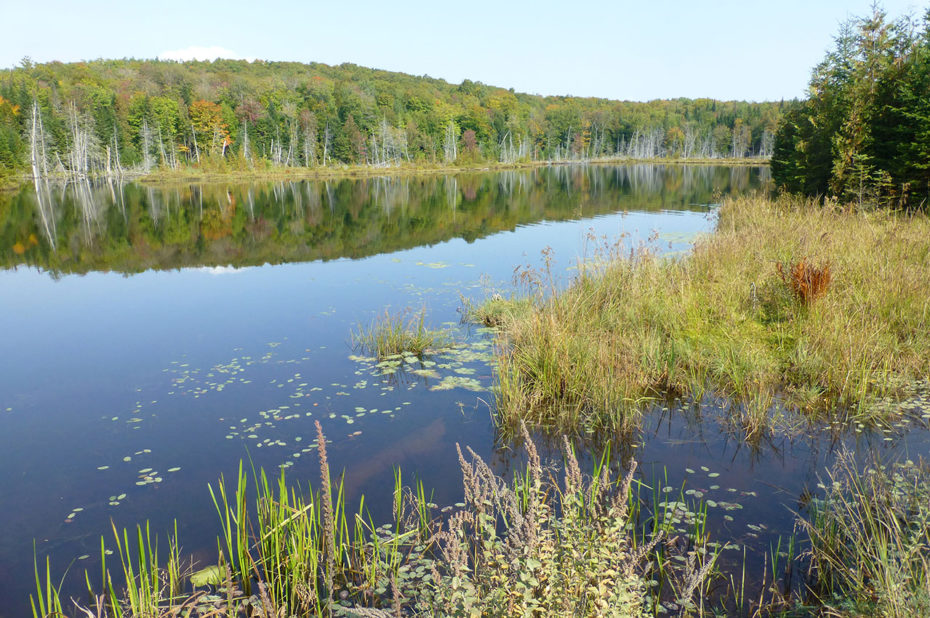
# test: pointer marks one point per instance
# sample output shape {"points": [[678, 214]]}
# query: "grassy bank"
{"points": [[789, 304]]}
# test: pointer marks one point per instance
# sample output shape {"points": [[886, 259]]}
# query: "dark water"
{"points": [[153, 337]]}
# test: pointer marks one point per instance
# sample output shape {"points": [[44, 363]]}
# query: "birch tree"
{"points": [[450, 144]]}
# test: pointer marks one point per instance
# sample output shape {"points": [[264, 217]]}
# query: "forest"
{"points": [[863, 134], [106, 116]]}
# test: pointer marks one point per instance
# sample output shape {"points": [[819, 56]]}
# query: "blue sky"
{"points": [[620, 50]]}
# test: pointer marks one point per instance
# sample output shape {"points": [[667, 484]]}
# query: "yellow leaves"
{"points": [[7, 105], [19, 247]]}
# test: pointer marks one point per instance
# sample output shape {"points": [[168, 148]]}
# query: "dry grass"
{"points": [[731, 318]]}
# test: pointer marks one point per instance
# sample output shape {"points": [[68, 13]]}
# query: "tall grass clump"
{"points": [[400, 333], [546, 543], [789, 302], [870, 540], [540, 548]]}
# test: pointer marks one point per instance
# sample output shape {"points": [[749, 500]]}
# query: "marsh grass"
{"points": [[736, 316], [549, 542], [402, 333], [870, 539]]}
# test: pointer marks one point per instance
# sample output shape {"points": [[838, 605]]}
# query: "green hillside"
{"points": [[227, 115]]}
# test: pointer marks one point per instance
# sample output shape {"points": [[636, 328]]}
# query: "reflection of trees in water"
{"points": [[311, 191], [155, 209], [739, 179], [451, 186], [90, 208], [48, 214], [510, 181], [302, 220], [390, 192], [765, 175]]}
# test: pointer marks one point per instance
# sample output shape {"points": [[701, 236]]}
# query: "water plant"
{"points": [[545, 543], [401, 333]]}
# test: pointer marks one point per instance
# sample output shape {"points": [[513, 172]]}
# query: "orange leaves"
{"points": [[806, 282]]}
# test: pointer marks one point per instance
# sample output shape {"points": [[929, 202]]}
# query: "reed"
{"points": [[47, 600]]}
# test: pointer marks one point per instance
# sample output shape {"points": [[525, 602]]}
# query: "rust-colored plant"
{"points": [[806, 281]]}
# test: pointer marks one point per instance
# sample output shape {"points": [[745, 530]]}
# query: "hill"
{"points": [[93, 117]]}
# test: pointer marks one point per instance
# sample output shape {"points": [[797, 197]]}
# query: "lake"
{"points": [[154, 336]]}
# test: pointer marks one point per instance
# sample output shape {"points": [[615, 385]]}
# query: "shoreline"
{"points": [[193, 174], [782, 308]]}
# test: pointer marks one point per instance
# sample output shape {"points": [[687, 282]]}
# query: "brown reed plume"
{"points": [[806, 281], [329, 528]]}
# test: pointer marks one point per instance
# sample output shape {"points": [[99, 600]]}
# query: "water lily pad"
{"points": [[210, 576]]}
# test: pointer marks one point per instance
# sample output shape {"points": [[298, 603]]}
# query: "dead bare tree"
{"points": [[740, 140], [39, 160], [450, 144], [767, 144], [196, 147], [327, 142], [85, 156]]}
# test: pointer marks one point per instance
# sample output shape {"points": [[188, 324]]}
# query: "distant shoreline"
{"points": [[368, 171]]}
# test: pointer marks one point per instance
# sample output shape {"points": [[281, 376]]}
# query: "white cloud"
{"points": [[199, 52], [220, 270]]}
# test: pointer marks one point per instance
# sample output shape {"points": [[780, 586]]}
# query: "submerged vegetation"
{"points": [[789, 304], [546, 543]]}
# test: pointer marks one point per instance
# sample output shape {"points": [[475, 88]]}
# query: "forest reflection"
{"points": [[79, 227]]}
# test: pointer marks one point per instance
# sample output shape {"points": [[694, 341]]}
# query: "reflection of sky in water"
{"points": [[84, 350], [96, 359]]}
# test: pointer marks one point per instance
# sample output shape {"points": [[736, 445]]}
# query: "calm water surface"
{"points": [[154, 336]]}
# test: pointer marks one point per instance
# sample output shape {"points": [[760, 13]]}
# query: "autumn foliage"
{"points": [[806, 281]]}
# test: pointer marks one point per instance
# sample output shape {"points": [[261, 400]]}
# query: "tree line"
{"points": [[863, 134], [106, 116]]}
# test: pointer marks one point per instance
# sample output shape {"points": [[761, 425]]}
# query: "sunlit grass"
{"points": [[402, 333], [639, 325]]}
